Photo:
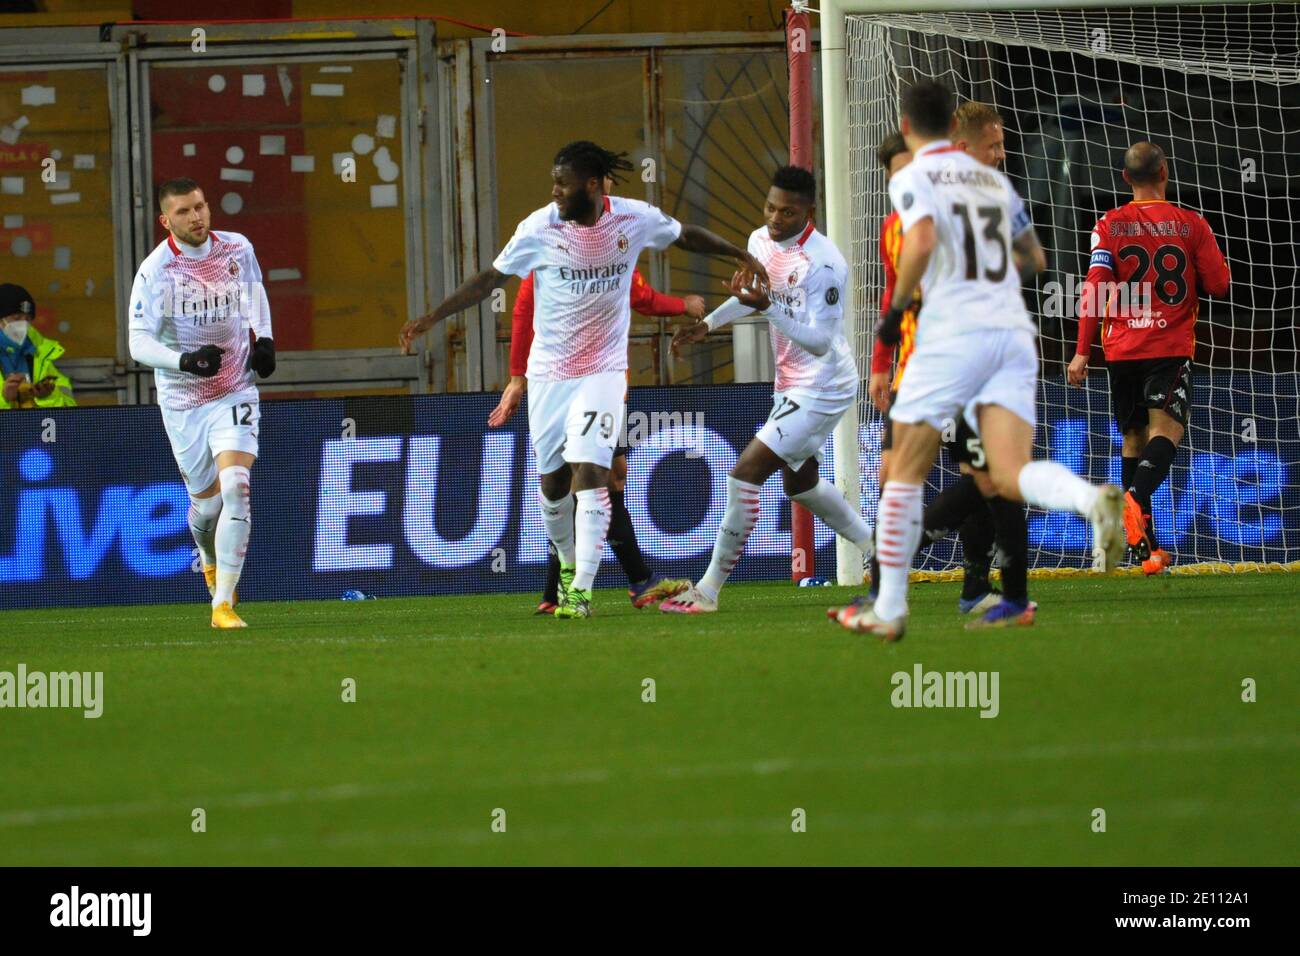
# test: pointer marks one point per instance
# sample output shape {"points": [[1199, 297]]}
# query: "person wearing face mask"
{"points": [[27, 357]]}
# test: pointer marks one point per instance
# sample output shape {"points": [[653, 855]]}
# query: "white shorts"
{"points": [[955, 374], [576, 419], [795, 430], [199, 434]]}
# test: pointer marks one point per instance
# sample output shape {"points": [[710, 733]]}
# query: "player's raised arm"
{"points": [[470, 292], [743, 301], [730, 310], [822, 307], [649, 301], [746, 287], [699, 239], [523, 253]]}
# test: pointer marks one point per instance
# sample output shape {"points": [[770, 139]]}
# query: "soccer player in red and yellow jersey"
{"points": [[1150, 262], [893, 156], [881, 384]]}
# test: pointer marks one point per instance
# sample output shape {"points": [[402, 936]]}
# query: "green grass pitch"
{"points": [[1126, 696]]}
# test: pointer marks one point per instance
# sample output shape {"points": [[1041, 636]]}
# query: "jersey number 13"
{"points": [[996, 240]]}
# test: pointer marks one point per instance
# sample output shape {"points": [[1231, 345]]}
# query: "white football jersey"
{"points": [[807, 276], [971, 281], [582, 283], [184, 302]]}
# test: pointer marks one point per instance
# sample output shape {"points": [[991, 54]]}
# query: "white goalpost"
{"points": [[1218, 87]]}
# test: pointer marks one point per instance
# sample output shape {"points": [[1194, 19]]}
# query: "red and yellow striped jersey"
{"points": [[891, 244]]}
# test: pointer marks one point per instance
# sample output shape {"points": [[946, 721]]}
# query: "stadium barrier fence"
{"points": [[402, 496]]}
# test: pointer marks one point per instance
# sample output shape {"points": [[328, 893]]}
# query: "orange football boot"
{"points": [[1135, 528]]}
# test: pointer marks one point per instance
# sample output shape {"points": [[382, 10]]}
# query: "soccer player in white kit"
{"points": [[582, 249], [975, 353], [816, 379], [194, 299]]}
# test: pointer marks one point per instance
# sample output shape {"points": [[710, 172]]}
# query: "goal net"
{"points": [[1218, 87]]}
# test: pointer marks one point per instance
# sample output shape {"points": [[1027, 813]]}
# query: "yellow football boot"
{"points": [[224, 616]]}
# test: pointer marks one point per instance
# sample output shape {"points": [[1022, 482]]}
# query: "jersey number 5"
{"points": [[992, 217]]}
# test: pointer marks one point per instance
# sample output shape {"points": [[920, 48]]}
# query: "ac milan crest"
{"points": [[794, 278], [622, 243], [233, 268]]}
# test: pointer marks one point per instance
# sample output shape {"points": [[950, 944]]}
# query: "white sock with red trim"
{"points": [[898, 532], [737, 523]]}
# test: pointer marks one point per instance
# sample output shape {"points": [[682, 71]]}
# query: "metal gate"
{"points": [[314, 140]]}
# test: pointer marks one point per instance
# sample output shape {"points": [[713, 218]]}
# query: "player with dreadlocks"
{"points": [[645, 586], [582, 250]]}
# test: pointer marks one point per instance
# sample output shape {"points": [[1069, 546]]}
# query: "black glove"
{"points": [[262, 358], [205, 362], [890, 327]]}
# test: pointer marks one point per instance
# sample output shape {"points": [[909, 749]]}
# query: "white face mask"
{"points": [[16, 332]]}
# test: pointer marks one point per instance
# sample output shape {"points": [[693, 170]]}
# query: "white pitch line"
{"points": [[764, 767], [1032, 815]]}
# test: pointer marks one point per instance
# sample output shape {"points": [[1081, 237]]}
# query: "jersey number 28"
{"points": [[1165, 275]]}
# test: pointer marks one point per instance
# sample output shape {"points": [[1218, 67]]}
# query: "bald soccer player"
{"points": [[1151, 261]]}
